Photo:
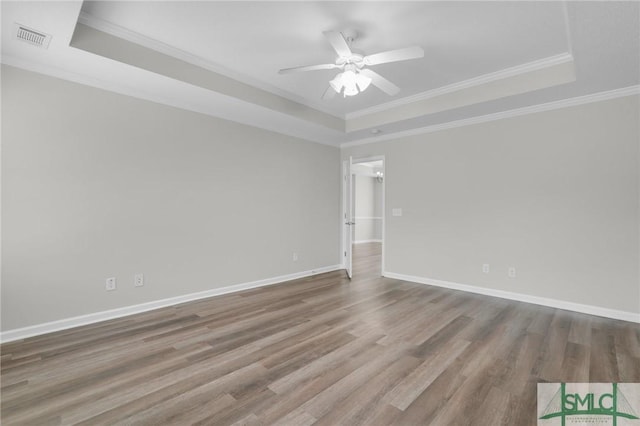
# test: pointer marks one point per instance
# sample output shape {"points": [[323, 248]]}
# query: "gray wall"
{"points": [[96, 184], [554, 194], [368, 209]]}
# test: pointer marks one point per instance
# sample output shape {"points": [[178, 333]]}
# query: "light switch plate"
{"points": [[396, 212]]}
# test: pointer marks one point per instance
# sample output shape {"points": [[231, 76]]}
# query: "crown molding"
{"points": [[158, 46], [134, 37], [267, 124], [564, 103], [137, 93], [465, 84]]}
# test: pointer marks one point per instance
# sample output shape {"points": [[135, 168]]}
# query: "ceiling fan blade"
{"points": [[329, 93], [339, 43], [308, 68], [414, 52], [380, 82]]}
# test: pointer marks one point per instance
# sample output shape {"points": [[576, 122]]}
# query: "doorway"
{"points": [[363, 206]]}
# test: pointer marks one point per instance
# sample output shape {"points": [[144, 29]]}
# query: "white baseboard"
{"points": [[49, 327], [553, 303], [366, 241]]}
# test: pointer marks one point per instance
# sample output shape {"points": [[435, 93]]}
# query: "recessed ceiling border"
{"points": [[466, 84], [272, 122], [549, 106], [150, 43]]}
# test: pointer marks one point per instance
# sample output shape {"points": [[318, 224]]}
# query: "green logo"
{"points": [[587, 402]]}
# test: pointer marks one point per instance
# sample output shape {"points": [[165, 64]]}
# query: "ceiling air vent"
{"points": [[33, 37]]}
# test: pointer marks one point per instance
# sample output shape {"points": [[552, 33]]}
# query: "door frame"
{"points": [[346, 232], [345, 165]]}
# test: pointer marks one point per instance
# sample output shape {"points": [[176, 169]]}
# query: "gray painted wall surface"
{"points": [[554, 194], [96, 184], [368, 208]]}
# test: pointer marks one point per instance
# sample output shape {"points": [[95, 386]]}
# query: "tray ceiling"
{"points": [[222, 58]]}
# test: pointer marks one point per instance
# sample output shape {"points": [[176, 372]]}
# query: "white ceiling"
{"points": [[461, 40], [250, 41]]}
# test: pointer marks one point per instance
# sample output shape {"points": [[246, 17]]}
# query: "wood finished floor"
{"points": [[318, 351]]}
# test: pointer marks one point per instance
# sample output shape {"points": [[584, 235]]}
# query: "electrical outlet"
{"points": [[295, 257], [485, 268], [110, 284], [138, 280], [512, 272]]}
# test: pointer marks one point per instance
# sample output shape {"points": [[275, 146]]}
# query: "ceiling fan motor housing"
{"points": [[356, 59]]}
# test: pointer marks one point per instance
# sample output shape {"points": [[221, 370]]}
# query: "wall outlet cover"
{"points": [[110, 284], [138, 280]]}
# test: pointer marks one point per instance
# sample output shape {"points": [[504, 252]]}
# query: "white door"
{"points": [[348, 216]]}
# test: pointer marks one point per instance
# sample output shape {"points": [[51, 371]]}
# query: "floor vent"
{"points": [[33, 37]]}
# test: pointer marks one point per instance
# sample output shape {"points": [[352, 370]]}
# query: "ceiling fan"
{"points": [[355, 78]]}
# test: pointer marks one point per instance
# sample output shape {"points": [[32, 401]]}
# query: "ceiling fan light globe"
{"points": [[349, 78], [336, 84], [350, 90], [363, 82]]}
